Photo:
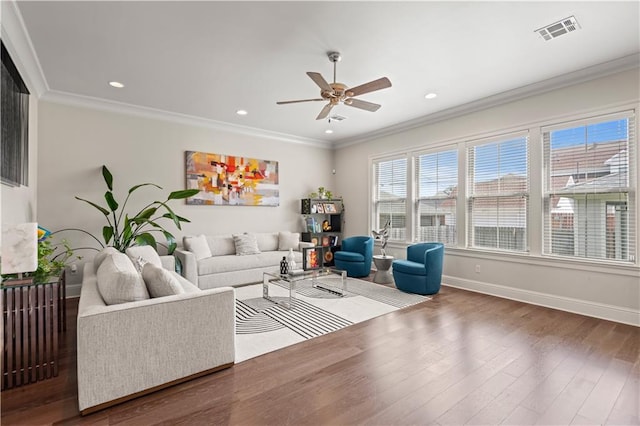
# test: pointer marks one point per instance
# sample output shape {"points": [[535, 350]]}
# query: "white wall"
{"points": [[75, 142], [587, 287]]}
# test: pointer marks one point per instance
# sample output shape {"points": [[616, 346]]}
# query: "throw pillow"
{"points": [[147, 253], [198, 246], [245, 244], [160, 282], [288, 240], [119, 282], [102, 255]]}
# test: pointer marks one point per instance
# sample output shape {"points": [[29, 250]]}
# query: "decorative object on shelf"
{"points": [[123, 230], [322, 194], [330, 208], [291, 260], [19, 252], [320, 208], [230, 180], [284, 267], [382, 235], [325, 241], [328, 256], [311, 257], [326, 226]]}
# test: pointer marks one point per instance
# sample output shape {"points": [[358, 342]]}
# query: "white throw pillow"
{"points": [[147, 253], [119, 282], [198, 246], [160, 282], [288, 240], [102, 255], [246, 244]]}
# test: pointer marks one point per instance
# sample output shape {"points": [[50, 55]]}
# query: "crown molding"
{"points": [[586, 74], [82, 101], [17, 41]]}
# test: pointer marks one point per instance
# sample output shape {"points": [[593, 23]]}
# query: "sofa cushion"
{"points": [[102, 255], [198, 246], [119, 282], [232, 263], [147, 253], [246, 244], [221, 245], [288, 240], [159, 281], [267, 241]]}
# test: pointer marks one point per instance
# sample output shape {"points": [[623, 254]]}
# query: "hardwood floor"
{"points": [[461, 358]]}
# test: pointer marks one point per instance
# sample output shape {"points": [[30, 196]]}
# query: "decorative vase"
{"points": [[291, 260], [284, 267]]}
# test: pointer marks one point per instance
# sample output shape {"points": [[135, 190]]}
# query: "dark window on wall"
{"points": [[15, 122]]}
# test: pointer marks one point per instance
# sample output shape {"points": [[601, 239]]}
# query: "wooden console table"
{"points": [[33, 315]]}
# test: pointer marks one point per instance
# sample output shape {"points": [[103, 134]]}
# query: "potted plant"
{"points": [[125, 229]]}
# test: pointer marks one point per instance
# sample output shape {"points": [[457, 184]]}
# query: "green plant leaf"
{"points": [[172, 215], [108, 177], [145, 215], [171, 242], [185, 193], [146, 239], [107, 233], [126, 230], [102, 209], [143, 184], [111, 202], [180, 218]]}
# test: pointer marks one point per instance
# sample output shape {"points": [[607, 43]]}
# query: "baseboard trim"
{"points": [[576, 306]]}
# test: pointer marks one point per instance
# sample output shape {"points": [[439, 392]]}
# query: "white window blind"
{"points": [[498, 191], [437, 193], [390, 196], [588, 207]]}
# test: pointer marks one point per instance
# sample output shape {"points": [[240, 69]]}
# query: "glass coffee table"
{"points": [[290, 280]]}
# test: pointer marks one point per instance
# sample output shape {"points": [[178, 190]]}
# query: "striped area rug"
{"points": [[258, 315]]}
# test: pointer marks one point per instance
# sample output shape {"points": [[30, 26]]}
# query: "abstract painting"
{"points": [[227, 180]]}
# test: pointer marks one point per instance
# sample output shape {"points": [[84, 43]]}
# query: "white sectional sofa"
{"points": [[212, 261], [129, 349]]}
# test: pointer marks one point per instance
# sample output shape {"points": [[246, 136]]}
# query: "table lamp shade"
{"points": [[20, 248]]}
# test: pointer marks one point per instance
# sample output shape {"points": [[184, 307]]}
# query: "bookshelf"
{"points": [[322, 225]]}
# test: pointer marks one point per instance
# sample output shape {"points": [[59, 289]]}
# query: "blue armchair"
{"points": [[421, 273], [355, 256]]}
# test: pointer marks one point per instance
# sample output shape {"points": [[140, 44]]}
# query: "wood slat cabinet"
{"points": [[33, 315]]}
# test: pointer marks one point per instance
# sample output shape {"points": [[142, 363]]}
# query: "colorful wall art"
{"points": [[227, 180]]}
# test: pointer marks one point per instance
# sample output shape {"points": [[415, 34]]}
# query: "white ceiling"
{"points": [[209, 59]]}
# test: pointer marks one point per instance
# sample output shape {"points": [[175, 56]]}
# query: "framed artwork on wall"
{"points": [[232, 180]]}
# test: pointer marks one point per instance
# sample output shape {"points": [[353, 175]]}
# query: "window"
{"points": [[588, 210], [390, 196], [437, 193], [15, 120], [498, 191]]}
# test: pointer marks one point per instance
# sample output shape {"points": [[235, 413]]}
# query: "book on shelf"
{"points": [[311, 224]]}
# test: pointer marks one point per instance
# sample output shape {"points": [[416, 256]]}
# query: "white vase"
{"points": [[291, 259]]}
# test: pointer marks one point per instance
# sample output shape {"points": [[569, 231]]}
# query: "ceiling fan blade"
{"points": [[372, 86], [320, 81], [325, 111], [357, 103], [301, 100]]}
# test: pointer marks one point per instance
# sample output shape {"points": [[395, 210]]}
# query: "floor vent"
{"points": [[559, 28]]}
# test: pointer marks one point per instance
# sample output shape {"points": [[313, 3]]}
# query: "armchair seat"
{"points": [[355, 256], [421, 273], [409, 267]]}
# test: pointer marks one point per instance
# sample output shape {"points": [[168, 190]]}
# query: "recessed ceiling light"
{"points": [[241, 112], [116, 84], [328, 131], [431, 95]]}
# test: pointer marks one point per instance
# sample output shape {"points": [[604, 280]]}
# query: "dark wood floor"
{"points": [[461, 358]]}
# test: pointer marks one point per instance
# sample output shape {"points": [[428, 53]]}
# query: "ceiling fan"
{"points": [[337, 93]]}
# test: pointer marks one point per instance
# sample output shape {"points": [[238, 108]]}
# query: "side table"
{"points": [[33, 315], [383, 266]]}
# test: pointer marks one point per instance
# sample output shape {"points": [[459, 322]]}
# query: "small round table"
{"points": [[383, 264]]}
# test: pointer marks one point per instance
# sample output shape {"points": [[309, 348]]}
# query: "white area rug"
{"points": [[263, 326]]}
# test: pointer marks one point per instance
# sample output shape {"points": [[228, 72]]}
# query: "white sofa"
{"points": [[129, 349], [221, 266]]}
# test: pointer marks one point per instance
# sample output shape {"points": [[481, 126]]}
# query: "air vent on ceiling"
{"points": [[559, 28], [337, 117]]}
